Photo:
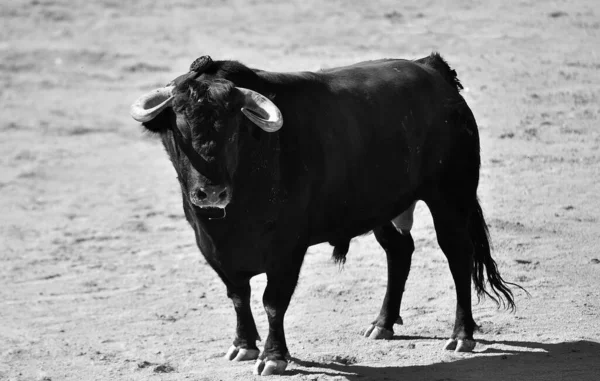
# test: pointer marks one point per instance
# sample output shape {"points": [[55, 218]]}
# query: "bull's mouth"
{"points": [[211, 212]]}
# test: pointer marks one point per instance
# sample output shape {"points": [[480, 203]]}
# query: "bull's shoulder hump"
{"points": [[290, 78], [384, 69], [369, 65], [377, 75]]}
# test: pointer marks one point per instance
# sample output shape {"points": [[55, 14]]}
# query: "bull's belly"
{"points": [[345, 222]]}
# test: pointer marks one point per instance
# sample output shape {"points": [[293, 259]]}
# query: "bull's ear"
{"points": [[254, 131], [161, 122]]}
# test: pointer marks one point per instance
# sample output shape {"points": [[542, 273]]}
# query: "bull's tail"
{"points": [[435, 61], [340, 249], [484, 265]]}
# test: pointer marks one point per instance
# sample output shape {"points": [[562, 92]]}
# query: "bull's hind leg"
{"points": [[244, 346], [451, 227], [398, 248]]}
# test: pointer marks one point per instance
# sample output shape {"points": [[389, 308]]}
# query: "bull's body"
{"points": [[359, 145]]}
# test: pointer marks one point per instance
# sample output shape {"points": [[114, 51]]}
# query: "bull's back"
{"points": [[372, 140]]}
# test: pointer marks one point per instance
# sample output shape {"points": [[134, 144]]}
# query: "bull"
{"points": [[359, 146]]}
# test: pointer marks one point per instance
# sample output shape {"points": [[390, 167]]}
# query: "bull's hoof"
{"points": [[269, 367], [377, 333], [241, 354], [464, 345], [450, 345]]}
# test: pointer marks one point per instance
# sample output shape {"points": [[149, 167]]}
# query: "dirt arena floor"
{"points": [[100, 278]]}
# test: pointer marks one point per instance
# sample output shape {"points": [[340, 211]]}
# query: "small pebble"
{"points": [[164, 368]]}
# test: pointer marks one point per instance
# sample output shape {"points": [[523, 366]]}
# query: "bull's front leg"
{"points": [[281, 282], [244, 346]]}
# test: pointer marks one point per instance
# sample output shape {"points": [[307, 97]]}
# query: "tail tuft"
{"points": [[340, 249], [484, 265]]}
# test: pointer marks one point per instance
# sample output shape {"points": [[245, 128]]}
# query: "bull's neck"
{"points": [[259, 164], [256, 199]]}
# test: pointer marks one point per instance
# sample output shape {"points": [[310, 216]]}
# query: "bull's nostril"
{"points": [[223, 195], [201, 195]]}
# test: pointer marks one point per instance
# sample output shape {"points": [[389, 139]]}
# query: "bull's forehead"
{"points": [[205, 86], [196, 129], [204, 102], [191, 91], [199, 137]]}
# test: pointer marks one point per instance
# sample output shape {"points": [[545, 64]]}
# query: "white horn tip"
{"points": [[149, 105]]}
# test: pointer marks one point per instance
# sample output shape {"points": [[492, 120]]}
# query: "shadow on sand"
{"points": [[578, 360]]}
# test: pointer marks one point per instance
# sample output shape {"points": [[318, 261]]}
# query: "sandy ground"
{"points": [[99, 275]]}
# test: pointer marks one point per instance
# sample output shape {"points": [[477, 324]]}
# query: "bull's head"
{"points": [[204, 140]]}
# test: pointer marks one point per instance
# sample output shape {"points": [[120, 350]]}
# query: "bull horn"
{"points": [[149, 105], [261, 111]]}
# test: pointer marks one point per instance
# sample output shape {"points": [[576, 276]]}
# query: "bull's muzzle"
{"points": [[210, 197]]}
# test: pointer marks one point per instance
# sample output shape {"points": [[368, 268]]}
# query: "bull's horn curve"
{"points": [[149, 105], [261, 111]]}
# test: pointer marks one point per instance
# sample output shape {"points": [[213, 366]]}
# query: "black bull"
{"points": [[359, 146]]}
